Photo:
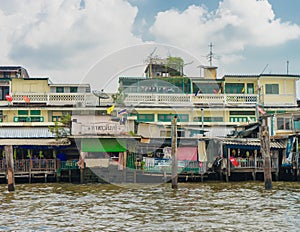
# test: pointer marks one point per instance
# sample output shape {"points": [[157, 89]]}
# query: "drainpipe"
{"points": [[202, 119], [297, 159]]}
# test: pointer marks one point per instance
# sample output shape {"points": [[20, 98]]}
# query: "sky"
{"points": [[96, 41]]}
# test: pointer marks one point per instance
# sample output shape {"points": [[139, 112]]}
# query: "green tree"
{"points": [[62, 129], [119, 97], [176, 63]]}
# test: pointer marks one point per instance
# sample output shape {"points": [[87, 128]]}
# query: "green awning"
{"points": [[103, 145]]}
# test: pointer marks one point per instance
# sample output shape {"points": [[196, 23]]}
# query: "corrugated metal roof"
{"points": [[35, 142], [254, 142], [19, 132]]}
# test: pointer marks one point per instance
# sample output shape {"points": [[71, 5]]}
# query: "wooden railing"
{"points": [[30, 165]]}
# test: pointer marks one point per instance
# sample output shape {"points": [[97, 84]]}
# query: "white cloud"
{"points": [[233, 26], [59, 35]]}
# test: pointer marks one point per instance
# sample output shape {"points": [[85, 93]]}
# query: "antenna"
{"points": [[264, 69], [150, 62], [211, 55], [287, 67]]}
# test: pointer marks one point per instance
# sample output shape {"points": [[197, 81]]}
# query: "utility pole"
{"points": [[174, 154], [265, 151]]}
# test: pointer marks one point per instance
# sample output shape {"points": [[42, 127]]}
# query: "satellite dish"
{"points": [[100, 94]]}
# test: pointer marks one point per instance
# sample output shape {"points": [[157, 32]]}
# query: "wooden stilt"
{"points": [[174, 154], [254, 175], [265, 151], [134, 176], [81, 165], [81, 175], [165, 174], [228, 165], [125, 166], [70, 175], [10, 167]]}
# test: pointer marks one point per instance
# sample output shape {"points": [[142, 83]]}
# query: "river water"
{"points": [[212, 206]]}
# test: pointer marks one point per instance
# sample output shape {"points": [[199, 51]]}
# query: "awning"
{"points": [[103, 145], [252, 144], [25, 132], [187, 153]]}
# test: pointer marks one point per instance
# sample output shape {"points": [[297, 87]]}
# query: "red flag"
{"points": [[261, 110], [26, 99], [234, 161], [8, 98]]}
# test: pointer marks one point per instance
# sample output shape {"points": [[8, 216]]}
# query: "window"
{"points": [[6, 74], [56, 118], [250, 88], [165, 117], [60, 89], [207, 88], [234, 88], [284, 123], [35, 112], [242, 113], [272, 88], [22, 112], [242, 119], [169, 117], [73, 89], [145, 118], [4, 90], [208, 119]]}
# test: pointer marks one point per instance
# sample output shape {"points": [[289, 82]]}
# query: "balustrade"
{"points": [[223, 99], [29, 165], [137, 98]]}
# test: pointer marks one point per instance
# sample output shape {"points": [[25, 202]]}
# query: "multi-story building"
{"points": [[204, 105], [211, 103]]}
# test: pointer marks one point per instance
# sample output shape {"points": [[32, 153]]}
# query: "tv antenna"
{"points": [[150, 60], [211, 55]]}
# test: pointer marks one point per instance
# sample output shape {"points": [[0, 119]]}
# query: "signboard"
{"points": [[110, 128], [96, 125]]}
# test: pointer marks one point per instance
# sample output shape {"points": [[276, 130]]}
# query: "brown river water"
{"points": [[208, 206]]}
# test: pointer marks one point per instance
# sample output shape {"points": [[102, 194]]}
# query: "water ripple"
{"points": [[215, 206]]}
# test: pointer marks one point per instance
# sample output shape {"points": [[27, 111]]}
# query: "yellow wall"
{"points": [[30, 86], [286, 86], [10, 114], [287, 91]]}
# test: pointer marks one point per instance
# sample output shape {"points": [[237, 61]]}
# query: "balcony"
{"points": [[142, 99], [57, 99], [191, 99]]}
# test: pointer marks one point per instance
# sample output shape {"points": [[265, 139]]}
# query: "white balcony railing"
{"points": [[88, 99], [222, 99], [84, 99]]}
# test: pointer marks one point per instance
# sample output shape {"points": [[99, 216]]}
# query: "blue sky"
{"points": [[92, 40]]}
